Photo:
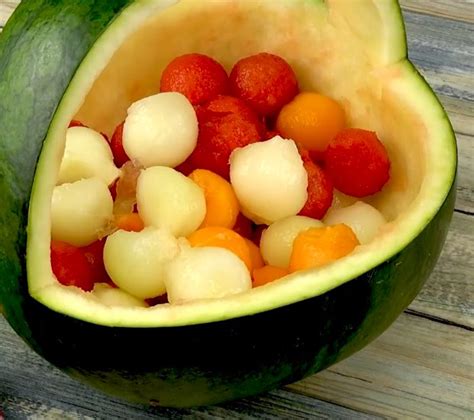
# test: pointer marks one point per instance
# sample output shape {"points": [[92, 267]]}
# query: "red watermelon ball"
{"points": [[320, 189], [71, 267], [116, 145], [357, 162], [225, 124], [265, 81], [198, 77]]}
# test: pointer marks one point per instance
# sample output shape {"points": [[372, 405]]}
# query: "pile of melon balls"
{"points": [[216, 184]]}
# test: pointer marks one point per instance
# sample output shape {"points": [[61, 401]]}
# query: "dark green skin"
{"points": [[177, 366], [41, 47]]}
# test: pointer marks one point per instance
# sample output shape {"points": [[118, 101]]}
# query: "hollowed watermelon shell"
{"points": [[52, 52]]}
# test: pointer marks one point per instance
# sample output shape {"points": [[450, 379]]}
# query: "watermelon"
{"points": [[88, 61]]}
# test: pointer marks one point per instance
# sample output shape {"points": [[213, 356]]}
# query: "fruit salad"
{"points": [[217, 184]]}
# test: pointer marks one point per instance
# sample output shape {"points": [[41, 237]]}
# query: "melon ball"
{"points": [[265, 81], [320, 190], [312, 120], [168, 199], [361, 217], [205, 273], [357, 162], [225, 123], [86, 155], [197, 76], [111, 296], [317, 247], [81, 211], [160, 130], [269, 180], [276, 243], [116, 145], [135, 261]]}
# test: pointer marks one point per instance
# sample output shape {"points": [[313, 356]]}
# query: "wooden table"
{"points": [[423, 366]]}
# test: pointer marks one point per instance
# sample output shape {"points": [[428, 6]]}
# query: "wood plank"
{"points": [[444, 53], [443, 50], [29, 385], [465, 184], [462, 10], [417, 369], [278, 404], [449, 292], [461, 114]]}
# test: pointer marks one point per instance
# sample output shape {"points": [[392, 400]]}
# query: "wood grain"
{"points": [[461, 114], [462, 10], [422, 367], [417, 369], [443, 51], [449, 292]]}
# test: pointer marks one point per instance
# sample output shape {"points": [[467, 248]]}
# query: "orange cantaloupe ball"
{"points": [[255, 255], [312, 120], [216, 236], [222, 207], [316, 247], [267, 274]]}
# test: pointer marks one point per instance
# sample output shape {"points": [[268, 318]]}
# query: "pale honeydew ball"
{"points": [[168, 199], [205, 273], [86, 155], [269, 179], [276, 243], [80, 211], [160, 130], [111, 296], [361, 217], [135, 261]]}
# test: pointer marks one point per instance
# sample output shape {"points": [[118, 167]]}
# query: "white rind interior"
{"points": [[353, 51]]}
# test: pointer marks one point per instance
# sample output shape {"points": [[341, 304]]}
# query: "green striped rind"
{"points": [[41, 47]]}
